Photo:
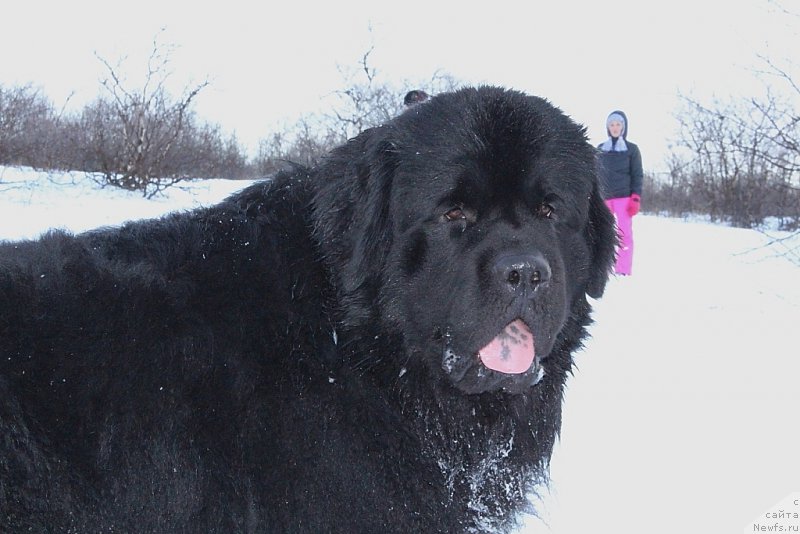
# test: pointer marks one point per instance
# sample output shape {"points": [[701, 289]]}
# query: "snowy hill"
{"points": [[683, 412]]}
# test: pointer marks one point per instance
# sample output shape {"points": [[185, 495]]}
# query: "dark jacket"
{"points": [[621, 172]]}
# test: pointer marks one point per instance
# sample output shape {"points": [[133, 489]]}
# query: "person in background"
{"points": [[620, 170], [416, 96]]}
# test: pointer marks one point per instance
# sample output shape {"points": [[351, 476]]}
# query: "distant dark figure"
{"points": [[417, 96], [620, 175]]}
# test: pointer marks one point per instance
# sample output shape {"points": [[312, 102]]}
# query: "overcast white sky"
{"points": [[273, 61]]}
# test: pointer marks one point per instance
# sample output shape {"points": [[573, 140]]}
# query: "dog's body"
{"points": [[302, 357]]}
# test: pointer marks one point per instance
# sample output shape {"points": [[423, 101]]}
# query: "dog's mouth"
{"points": [[508, 362], [511, 351]]}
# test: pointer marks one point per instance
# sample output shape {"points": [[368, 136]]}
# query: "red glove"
{"points": [[633, 204]]}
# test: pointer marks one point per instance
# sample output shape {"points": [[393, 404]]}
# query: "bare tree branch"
{"points": [[150, 124]]}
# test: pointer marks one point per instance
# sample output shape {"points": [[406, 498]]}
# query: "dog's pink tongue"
{"points": [[511, 351]]}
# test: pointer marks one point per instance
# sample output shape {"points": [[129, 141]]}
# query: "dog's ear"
{"points": [[373, 224], [601, 234], [353, 217]]}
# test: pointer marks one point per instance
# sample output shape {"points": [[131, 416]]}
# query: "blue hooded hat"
{"points": [[616, 145]]}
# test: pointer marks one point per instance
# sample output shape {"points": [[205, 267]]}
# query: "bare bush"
{"points": [[741, 159], [204, 151], [27, 120], [139, 146], [142, 139], [304, 143], [133, 134], [367, 100], [670, 193], [743, 164]]}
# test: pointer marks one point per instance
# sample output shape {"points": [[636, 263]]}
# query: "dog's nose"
{"points": [[517, 271]]}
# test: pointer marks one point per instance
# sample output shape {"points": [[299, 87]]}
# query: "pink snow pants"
{"points": [[619, 207]]}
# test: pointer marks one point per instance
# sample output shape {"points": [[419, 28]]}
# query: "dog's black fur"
{"points": [[274, 363]]}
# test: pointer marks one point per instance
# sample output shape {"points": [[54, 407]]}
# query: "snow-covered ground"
{"points": [[684, 411], [31, 202]]}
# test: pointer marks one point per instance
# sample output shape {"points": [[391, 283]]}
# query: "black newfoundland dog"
{"points": [[378, 344]]}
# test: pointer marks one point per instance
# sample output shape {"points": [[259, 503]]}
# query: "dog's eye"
{"points": [[455, 214], [547, 211], [459, 214]]}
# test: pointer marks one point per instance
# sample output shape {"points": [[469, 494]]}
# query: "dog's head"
{"points": [[472, 225]]}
